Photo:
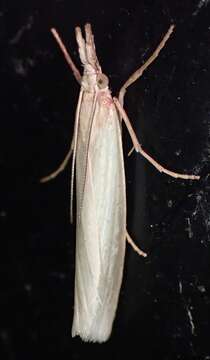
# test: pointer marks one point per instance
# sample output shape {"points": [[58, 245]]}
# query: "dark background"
{"points": [[164, 304]]}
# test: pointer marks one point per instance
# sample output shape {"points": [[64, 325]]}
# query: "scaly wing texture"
{"points": [[101, 222]]}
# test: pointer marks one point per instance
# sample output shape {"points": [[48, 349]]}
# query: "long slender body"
{"points": [[100, 188], [101, 217], [101, 199]]}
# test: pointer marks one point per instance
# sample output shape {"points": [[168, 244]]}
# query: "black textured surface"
{"points": [[164, 304]]}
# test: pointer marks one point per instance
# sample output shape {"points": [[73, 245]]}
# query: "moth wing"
{"points": [[101, 228]]}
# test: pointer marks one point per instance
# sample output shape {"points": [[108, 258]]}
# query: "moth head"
{"points": [[102, 81]]}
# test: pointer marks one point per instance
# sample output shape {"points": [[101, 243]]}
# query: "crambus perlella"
{"points": [[100, 185]]}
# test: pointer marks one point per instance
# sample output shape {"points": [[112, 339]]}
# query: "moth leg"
{"points": [[68, 58], [61, 167], [139, 149], [138, 73], [134, 246]]}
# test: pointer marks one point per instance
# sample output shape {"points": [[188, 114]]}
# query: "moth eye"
{"points": [[102, 81]]}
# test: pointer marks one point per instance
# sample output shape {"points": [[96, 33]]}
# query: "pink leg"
{"points": [[139, 149], [61, 167], [138, 73], [68, 58], [134, 246]]}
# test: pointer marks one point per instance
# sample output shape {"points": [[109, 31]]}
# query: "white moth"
{"points": [[100, 190]]}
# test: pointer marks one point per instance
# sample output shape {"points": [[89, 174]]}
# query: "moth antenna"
{"points": [[74, 152], [87, 150]]}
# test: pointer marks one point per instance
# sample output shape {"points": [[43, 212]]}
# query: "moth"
{"points": [[97, 150]]}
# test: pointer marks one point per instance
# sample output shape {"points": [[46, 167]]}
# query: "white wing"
{"points": [[101, 222]]}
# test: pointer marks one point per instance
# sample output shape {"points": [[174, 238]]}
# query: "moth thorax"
{"points": [[102, 81]]}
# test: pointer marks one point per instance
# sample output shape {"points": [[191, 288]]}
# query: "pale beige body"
{"points": [[100, 187], [101, 218]]}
